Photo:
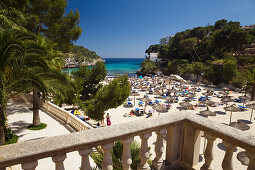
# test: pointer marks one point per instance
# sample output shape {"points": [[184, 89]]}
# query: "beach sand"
{"points": [[19, 116]]}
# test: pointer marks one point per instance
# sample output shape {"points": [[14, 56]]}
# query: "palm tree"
{"points": [[17, 59], [10, 17], [53, 79]]}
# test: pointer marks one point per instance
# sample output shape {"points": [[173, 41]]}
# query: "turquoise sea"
{"points": [[116, 66]]}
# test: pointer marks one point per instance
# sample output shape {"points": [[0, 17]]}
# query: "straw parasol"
{"points": [[134, 94], [169, 98], [225, 88], [145, 100], [192, 90], [224, 93], [226, 99], [186, 104], [231, 108], [208, 89], [251, 106], [157, 93], [159, 108], [244, 98], [207, 94], [239, 125], [207, 113], [208, 102], [189, 95]]}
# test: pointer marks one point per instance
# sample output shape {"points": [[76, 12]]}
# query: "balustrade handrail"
{"points": [[51, 146], [64, 115]]}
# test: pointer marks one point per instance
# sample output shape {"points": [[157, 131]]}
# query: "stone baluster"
{"points": [[159, 149], [29, 165], [208, 152], [190, 146], [126, 155], [144, 152], [107, 159], [59, 161], [85, 164], [251, 157], [227, 163]]}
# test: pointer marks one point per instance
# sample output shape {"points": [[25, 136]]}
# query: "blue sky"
{"points": [[126, 28]]}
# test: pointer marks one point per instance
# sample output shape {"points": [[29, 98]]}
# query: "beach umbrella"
{"points": [[157, 93], [242, 157], [186, 104], [239, 125], [193, 90], [134, 94], [207, 94], [224, 93], [227, 99], [174, 91], [182, 87], [145, 100], [208, 89], [252, 107], [169, 98], [207, 113], [225, 88], [208, 102], [144, 88], [189, 95], [244, 98], [231, 108], [159, 108]]}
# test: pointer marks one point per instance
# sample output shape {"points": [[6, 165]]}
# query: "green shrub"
{"points": [[41, 126], [116, 153], [10, 137]]}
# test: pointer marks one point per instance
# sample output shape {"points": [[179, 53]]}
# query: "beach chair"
{"points": [[150, 103], [140, 104], [243, 108]]}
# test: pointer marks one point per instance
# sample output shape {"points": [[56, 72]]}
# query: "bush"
{"points": [[116, 153], [10, 137], [41, 126], [239, 80], [229, 69]]}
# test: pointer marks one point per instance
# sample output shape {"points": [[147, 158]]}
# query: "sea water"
{"points": [[118, 66]]}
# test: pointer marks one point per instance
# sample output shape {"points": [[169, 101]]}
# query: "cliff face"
{"points": [[81, 56], [250, 50], [92, 63]]}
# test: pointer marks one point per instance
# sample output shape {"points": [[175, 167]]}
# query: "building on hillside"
{"points": [[154, 57], [248, 27], [165, 40]]}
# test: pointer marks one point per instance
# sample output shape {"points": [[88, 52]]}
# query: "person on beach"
{"points": [[108, 120]]}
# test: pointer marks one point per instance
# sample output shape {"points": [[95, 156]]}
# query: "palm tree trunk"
{"points": [[253, 93], [36, 106], [2, 126]]}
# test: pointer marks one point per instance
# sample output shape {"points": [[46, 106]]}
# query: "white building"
{"points": [[165, 40], [154, 57]]}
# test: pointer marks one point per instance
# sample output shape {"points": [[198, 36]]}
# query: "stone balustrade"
{"points": [[65, 116], [181, 130]]}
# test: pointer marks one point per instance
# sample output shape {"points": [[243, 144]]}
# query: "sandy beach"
{"points": [[19, 117]]}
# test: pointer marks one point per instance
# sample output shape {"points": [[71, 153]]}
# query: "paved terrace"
{"points": [[19, 117]]}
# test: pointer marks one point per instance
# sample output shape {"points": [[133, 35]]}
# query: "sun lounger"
{"points": [[242, 107]]}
